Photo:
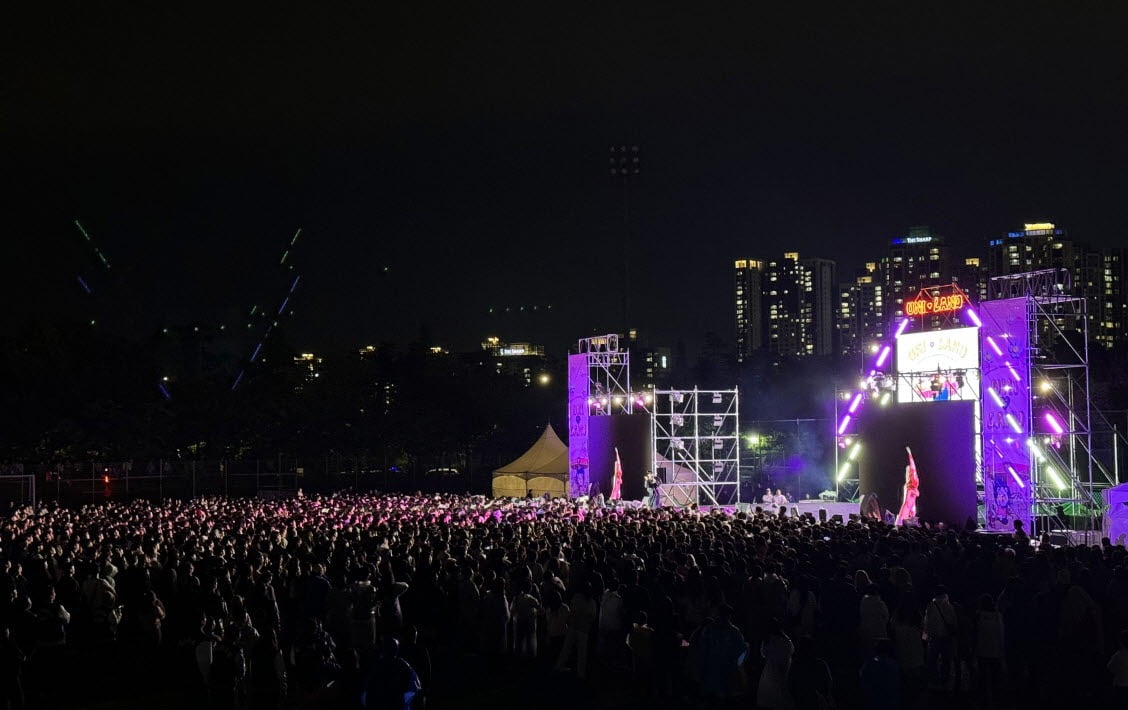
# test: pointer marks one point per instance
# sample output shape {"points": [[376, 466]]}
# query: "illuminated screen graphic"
{"points": [[938, 366]]}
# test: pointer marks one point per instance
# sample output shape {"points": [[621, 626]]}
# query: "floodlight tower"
{"points": [[626, 166]]}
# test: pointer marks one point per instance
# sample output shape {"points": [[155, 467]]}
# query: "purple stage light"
{"points": [[1054, 423], [974, 318], [901, 328], [994, 346], [995, 396], [845, 423], [1014, 373], [883, 356], [1013, 423], [855, 403], [1016, 477]]}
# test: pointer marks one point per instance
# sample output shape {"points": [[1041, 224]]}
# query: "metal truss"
{"points": [[609, 375], [1067, 475], [696, 433]]}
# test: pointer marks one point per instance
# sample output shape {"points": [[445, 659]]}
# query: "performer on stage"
{"points": [[911, 491], [653, 490], [617, 484]]}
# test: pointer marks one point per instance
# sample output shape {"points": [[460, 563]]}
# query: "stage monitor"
{"points": [[938, 365], [942, 438]]}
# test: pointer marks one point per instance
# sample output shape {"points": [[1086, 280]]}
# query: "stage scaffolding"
{"points": [[609, 375], [1068, 479], [696, 438]]}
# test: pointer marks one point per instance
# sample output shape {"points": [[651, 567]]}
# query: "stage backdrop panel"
{"points": [[1007, 482], [578, 416], [942, 437], [629, 432]]}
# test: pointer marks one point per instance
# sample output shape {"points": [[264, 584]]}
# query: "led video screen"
{"points": [[938, 365], [631, 434], [942, 439]]}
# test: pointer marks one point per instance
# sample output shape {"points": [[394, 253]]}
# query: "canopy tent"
{"points": [[542, 469]]}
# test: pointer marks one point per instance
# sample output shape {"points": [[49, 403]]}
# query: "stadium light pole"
{"points": [[625, 165]]}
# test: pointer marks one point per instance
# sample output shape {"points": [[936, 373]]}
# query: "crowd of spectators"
{"points": [[376, 601]]}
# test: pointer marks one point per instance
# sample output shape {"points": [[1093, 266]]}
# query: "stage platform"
{"points": [[832, 508]]}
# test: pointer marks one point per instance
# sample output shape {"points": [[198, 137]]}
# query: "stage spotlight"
{"points": [[874, 348], [884, 355], [1053, 474], [1046, 386], [854, 451], [752, 439], [544, 378], [1054, 424], [843, 471], [884, 399], [648, 398]]}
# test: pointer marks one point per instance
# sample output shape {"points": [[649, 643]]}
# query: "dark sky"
{"points": [[444, 161]]}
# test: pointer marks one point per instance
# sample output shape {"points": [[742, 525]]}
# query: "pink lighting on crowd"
{"points": [[1054, 423], [974, 318], [994, 346], [855, 403], [845, 423], [883, 356]]}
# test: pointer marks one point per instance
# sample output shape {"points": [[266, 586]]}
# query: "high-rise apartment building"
{"points": [[1111, 319], [861, 311], [785, 306], [782, 305], [818, 280], [749, 307], [915, 261], [1097, 275]]}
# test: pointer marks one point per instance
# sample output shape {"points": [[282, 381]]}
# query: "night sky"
{"points": [[445, 161]]}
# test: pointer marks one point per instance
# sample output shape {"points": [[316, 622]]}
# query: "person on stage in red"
{"points": [[911, 491], [617, 483]]}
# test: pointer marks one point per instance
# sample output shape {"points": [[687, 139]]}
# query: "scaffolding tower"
{"points": [[1068, 479], [696, 445], [609, 375]]}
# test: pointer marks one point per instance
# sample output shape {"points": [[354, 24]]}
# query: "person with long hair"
{"points": [[911, 491]]}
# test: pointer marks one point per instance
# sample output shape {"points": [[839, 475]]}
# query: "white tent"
{"points": [[543, 468]]}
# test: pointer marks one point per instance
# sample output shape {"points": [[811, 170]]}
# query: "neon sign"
{"points": [[934, 304]]}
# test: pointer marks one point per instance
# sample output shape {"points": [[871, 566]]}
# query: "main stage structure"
{"points": [[1022, 356]]}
